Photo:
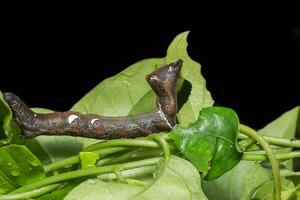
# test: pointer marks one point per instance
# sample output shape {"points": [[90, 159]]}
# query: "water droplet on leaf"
{"points": [[34, 163], [15, 172], [9, 164], [91, 181]]}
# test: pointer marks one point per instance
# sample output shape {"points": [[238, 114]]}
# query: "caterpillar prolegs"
{"points": [[162, 81]]}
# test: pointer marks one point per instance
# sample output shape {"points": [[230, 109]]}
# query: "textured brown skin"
{"points": [[162, 81]]}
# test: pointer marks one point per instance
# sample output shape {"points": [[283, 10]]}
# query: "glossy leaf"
{"points": [[247, 176], [210, 142], [176, 179], [18, 167]]}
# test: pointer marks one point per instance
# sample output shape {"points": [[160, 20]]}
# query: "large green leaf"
{"points": [[210, 142], [247, 176], [176, 179], [18, 167], [128, 93], [119, 94], [239, 183], [200, 96], [285, 126]]}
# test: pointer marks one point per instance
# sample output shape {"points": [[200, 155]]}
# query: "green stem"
{"points": [[140, 153], [275, 166], [279, 156], [242, 136], [30, 194], [76, 159], [245, 143], [61, 164], [283, 141], [163, 143], [275, 151], [123, 142], [276, 141], [131, 173], [86, 172]]}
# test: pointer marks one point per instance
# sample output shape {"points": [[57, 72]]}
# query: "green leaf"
{"points": [[8, 129], [284, 126], [88, 159], [176, 179], [240, 182], [18, 167], [128, 93], [210, 142], [247, 176], [191, 72], [118, 95], [146, 104]]}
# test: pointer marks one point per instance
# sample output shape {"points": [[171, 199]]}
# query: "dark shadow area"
{"points": [[184, 93], [250, 64]]}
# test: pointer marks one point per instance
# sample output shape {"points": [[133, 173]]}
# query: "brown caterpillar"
{"points": [[162, 81]]}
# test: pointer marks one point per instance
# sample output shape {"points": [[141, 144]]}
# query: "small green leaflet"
{"points": [[210, 142], [88, 159]]}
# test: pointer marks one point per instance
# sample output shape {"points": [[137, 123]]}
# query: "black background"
{"points": [[250, 64]]}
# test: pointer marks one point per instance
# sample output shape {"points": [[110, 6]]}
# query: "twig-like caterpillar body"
{"points": [[162, 81]]}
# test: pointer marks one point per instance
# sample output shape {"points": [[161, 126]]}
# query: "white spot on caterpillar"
{"points": [[71, 118], [93, 120], [154, 78], [170, 70]]}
